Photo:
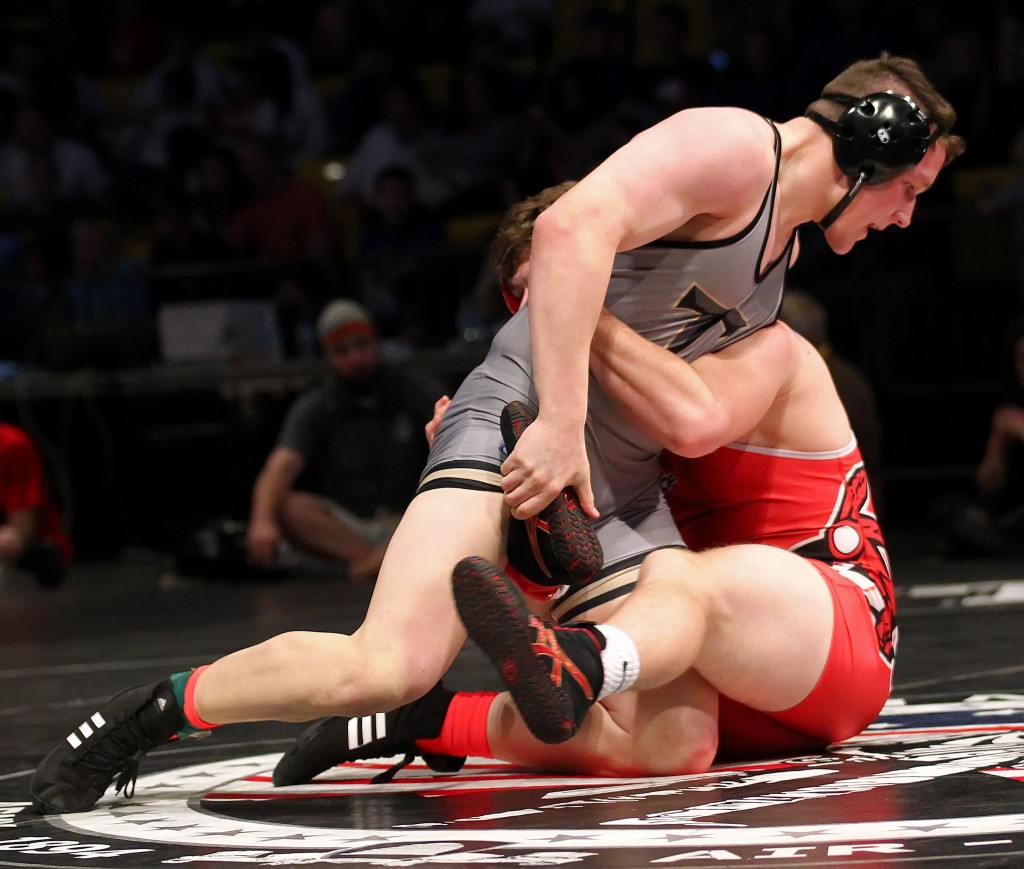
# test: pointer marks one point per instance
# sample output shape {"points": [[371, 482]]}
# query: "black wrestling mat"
{"points": [[938, 780]]}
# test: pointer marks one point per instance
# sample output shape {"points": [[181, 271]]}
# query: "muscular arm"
{"points": [[674, 176], [275, 480], [692, 409]]}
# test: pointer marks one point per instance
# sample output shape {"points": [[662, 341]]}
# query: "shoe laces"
{"points": [[117, 753], [384, 777], [126, 778]]}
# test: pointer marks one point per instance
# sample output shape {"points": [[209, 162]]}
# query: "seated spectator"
{"points": [[523, 26], [177, 239], [215, 187], [397, 239], [134, 39], [339, 31], [402, 137], [183, 55], [486, 135], [36, 71], [349, 454], [107, 286], [268, 101], [104, 318], [357, 107], [994, 523], [35, 248], [298, 296], [149, 144], [80, 173], [32, 536], [285, 218]]}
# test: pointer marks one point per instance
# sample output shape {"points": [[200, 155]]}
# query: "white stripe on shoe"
{"points": [[366, 729], [87, 729]]}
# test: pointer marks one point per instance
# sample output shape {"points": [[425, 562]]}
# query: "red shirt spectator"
{"points": [[29, 516]]}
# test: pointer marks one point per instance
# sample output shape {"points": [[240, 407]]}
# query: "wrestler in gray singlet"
{"points": [[689, 297]]}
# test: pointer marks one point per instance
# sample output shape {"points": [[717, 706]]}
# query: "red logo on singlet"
{"points": [[853, 540]]}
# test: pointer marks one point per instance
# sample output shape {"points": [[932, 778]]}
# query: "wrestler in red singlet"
{"points": [[817, 505]]}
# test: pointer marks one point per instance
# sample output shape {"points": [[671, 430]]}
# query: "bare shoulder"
{"points": [[698, 174], [732, 149], [723, 130]]}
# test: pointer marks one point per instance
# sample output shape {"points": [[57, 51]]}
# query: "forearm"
{"points": [[653, 387], [272, 484], [266, 500], [690, 409], [569, 274]]}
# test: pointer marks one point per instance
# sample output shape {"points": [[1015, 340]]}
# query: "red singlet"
{"points": [[817, 505]]}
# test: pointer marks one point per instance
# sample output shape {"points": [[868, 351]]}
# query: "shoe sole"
{"points": [[574, 541], [499, 623]]}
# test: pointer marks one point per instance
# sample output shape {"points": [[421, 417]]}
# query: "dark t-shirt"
{"points": [[364, 450]]}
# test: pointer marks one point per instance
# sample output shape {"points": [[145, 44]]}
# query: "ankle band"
{"points": [[184, 687], [464, 732]]}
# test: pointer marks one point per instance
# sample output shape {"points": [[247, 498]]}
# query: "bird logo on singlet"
{"points": [[852, 538]]}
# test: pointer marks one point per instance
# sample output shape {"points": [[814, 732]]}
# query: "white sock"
{"points": [[620, 659]]}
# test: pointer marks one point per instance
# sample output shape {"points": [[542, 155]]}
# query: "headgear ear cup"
{"points": [[877, 138], [882, 134]]}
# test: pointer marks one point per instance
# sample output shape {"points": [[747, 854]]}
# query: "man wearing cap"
{"points": [[349, 454]]}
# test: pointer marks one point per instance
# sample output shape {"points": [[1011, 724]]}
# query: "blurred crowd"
{"points": [[154, 154]]}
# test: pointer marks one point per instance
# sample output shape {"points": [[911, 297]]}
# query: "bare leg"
{"points": [[671, 730], [307, 524], [754, 621], [409, 637]]}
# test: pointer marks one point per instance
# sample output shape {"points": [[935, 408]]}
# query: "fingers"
{"points": [[531, 507], [586, 495], [544, 462], [527, 496], [430, 429]]}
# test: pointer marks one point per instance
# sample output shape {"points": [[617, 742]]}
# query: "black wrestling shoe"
{"points": [[559, 545], [108, 744], [554, 673], [339, 740]]}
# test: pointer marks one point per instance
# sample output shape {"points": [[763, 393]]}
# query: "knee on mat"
{"points": [[688, 751]]}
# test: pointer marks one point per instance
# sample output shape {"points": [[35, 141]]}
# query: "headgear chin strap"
{"points": [[843, 203], [877, 138]]}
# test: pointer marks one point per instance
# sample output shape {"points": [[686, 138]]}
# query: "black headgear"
{"points": [[875, 139]]}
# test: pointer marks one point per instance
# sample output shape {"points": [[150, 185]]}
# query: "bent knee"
{"points": [[378, 683], [347, 681], [686, 752], [296, 508]]}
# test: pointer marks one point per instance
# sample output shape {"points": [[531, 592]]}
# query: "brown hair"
{"points": [[900, 75], [512, 241]]}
